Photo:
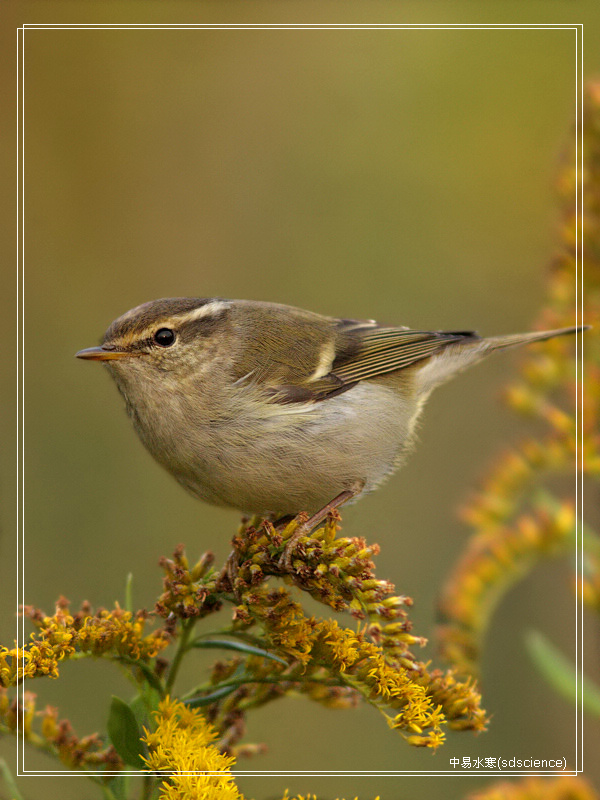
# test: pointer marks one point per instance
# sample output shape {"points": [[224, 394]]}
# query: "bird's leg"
{"points": [[226, 578], [231, 566], [285, 562]]}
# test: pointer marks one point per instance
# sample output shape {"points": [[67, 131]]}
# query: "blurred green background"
{"points": [[402, 175]]}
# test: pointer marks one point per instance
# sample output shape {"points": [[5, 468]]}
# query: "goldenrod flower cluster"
{"points": [[188, 592], [588, 583], [282, 650], [263, 681], [335, 570], [338, 666], [116, 633], [491, 564], [182, 745], [308, 797], [516, 524], [374, 661], [563, 787], [44, 730], [296, 652]]}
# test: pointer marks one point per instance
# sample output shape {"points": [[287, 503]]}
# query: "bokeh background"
{"points": [[403, 175]]}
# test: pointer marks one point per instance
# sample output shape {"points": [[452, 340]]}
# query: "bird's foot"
{"points": [[226, 580], [307, 525]]}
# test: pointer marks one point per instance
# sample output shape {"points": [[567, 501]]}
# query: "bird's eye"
{"points": [[164, 337]]}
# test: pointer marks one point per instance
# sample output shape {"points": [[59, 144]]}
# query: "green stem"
{"points": [[220, 632], [9, 780], [273, 679], [106, 791], [147, 787], [186, 630], [247, 637], [151, 678], [108, 794], [125, 779], [282, 679]]}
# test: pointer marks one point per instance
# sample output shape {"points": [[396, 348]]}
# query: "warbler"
{"points": [[273, 410]]}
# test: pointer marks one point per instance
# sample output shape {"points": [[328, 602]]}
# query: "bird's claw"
{"points": [[306, 525]]}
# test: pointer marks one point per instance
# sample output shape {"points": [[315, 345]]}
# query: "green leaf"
{"points": [[560, 673], [241, 647], [140, 711], [125, 733], [207, 699]]}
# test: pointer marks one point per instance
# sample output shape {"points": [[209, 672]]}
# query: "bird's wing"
{"points": [[363, 350]]}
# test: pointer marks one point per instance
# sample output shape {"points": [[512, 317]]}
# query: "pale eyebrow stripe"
{"points": [[211, 309]]}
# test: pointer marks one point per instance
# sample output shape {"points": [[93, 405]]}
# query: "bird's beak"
{"points": [[102, 354]]}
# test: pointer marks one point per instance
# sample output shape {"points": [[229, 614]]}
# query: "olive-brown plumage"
{"points": [[272, 409]]}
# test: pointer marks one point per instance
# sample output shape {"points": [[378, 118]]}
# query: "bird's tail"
{"points": [[517, 339], [470, 349]]}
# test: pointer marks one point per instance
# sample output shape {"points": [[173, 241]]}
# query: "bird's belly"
{"points": [[288, 458]]}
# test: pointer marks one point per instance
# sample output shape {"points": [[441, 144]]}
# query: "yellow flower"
{"points": [[183, 746], [513, 527], [117, 633], [40, 658], [564, 787]]}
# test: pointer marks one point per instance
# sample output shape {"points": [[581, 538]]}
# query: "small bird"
{"points": [[273, 410]]}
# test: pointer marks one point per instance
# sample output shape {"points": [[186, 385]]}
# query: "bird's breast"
{"points": [[260, 456]]}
